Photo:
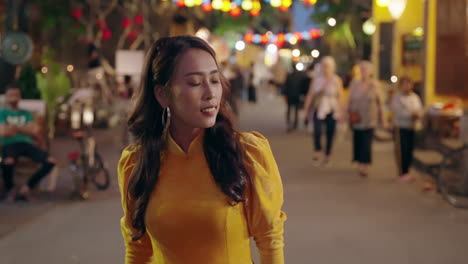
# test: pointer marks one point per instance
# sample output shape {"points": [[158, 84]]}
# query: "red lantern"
{"points": [[207, 7], [138, 19], [283, 8], [265, 39], [132, 35], [77, 13], [248, 37], [298, 36], [235, 12], [101, 24], [281, 38], [106, 34], [126, 22], [314, 33], [255, 12], [181, 3]]}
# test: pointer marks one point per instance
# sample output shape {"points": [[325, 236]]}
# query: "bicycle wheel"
{"points": [[453, 178], [99, 174]]}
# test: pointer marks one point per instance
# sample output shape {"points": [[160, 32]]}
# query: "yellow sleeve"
{"points": [[265, 199], [137, 252]]}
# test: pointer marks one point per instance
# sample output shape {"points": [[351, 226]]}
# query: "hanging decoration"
{"points": [[126, 22], [138, 19], [106, 34], [281, 38], [77, 13], [234, 7]]}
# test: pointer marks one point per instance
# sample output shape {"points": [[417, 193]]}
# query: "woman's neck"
{"points": [[183, 136]]}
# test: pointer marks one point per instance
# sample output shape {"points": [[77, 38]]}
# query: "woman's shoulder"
{"points": [[253, 140], [128, 157]]}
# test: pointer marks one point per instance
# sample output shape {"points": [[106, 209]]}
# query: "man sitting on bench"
{"points": [[17, 131]]}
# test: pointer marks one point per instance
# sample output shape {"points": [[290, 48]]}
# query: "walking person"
{"points": [[323, 103], [407, 111], [251, 89], [292, 90], [17, 133], [365, 110], [194, 190]]}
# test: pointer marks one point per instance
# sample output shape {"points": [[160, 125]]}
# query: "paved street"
{"points": [[334, 216]]}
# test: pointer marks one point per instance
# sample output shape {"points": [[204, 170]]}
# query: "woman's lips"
{"points": [[210, 109]]}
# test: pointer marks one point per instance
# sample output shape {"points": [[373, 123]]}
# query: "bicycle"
{"points": [[87, 166], [452, 178]]}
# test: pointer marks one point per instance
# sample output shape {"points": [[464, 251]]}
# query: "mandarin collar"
{"points": [[196, 146]]}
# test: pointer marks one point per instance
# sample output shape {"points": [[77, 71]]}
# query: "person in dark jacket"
{"points": [[292, 91]]}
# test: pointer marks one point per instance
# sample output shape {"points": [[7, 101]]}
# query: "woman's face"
{"points": [[407, 86], [195, 91], [366, 71]]}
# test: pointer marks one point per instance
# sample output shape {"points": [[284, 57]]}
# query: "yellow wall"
{"points": [[412, 18]]}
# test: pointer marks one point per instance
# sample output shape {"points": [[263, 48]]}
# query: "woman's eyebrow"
{"points": [[201, 73]]}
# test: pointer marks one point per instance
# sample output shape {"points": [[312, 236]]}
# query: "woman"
{"points": [[407, 111], [194, 189], [365, 109], [323, 101]]}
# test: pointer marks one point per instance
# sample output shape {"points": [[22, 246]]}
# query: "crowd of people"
{"points": [[320, 92]]}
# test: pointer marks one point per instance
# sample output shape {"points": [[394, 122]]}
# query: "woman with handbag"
{"points": [[194, 190], [323, 102], [365, 109]]}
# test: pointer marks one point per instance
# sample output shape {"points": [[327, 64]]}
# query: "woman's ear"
{"points": [[161, 96]]}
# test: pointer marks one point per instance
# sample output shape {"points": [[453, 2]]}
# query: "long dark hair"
{"points": [[221, 142]]}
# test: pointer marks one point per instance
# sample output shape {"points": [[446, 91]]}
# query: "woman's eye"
{"points": [[214, 81], [194, 83]]}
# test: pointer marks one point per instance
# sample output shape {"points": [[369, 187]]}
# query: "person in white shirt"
{"points": [[323, 102], [407, 111]]}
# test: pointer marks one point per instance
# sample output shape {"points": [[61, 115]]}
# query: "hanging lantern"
{"points": [[226, 6], [189, 3], [198, 2], [138, 19], [248, 37], [396, 8], [298, 36], [257, 5], [283, 8], [314, 33], [126, 22], [235, 12], [280, 38], [101, 24], [181, 3], [264, 39], [286, 3], [217, 4], [255, 12], [207, 7], [106, 34], [275, 3], [382, 3], [247, 5], [369, 27], [77, 13]]}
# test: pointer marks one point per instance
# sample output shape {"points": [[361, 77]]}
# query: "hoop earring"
{"points": [[166, 116]]}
